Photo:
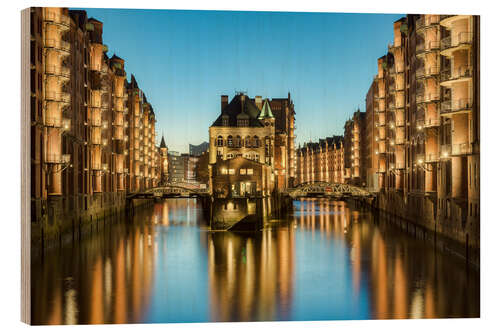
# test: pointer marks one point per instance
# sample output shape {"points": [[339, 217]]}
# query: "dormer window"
{"points": [[242, 122], [225, 120]]}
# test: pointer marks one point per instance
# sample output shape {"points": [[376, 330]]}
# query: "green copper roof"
{"points": [[266, 111]]}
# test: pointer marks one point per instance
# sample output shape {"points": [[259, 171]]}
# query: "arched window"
{"points": [[230, 141], [220, 141], [256, 141], [238, 141], [247, 142]]}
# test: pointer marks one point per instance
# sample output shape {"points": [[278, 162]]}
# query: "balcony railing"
{"points": [[445, 151], [57, 44], [427, 98], [431, 122], [399, 141], [423, 72], [96, 122], [58, 158], [62, 71], [461, 149], [427, 21], [63, 97], [456, 105], [431, 157], [428, 46], [462, 38], [399, 165], [400, 123], [62, 20], [461, 72]]}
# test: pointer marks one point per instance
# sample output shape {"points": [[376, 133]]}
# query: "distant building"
{"points": [[190, 167], [176, 167], [197, 150], [321, 161], [354, 146]]}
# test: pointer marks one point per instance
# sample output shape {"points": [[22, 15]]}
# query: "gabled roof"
{"points": [[266, 111], [235, 108]]}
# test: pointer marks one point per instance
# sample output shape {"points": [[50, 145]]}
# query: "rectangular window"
{"points": [[231, 171], [243, 171], [249, 171], [223, 171]]}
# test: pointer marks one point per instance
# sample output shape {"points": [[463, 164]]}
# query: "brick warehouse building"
{"points": [[92, 132]]}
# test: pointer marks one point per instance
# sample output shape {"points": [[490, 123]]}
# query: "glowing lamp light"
{"points": [[419, 127], [445, 154], [420, 161]]}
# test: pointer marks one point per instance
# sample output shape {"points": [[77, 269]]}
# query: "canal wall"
{"points": [[450, 229], [62, 220], [227, 213]]}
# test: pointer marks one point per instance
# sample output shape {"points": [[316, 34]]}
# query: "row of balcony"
{"points": [[460, 39]]}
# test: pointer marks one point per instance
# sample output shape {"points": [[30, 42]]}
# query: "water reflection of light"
{"points": [[107, 282], [71, 313], [417, 305]]}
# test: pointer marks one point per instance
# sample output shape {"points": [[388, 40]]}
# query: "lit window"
{"points": [[249, 171], [223, 171], [243, 171], [231, 171]]}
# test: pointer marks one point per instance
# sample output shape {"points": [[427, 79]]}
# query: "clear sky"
{"points": [[184, 61]]}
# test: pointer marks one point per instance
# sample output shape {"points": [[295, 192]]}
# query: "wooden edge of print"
{"points": [[25, 168]]}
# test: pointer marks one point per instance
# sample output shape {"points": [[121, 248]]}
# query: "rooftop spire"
{"points": [[162, 144], [266, 111]]}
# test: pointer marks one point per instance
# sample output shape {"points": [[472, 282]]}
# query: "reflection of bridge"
{"points": [[183, 190], [334, 190]]}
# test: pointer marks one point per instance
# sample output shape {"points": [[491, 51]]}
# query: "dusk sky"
{"points": [[184, 61]]}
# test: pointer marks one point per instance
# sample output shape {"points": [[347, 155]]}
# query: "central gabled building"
{"points": [[243, 132]]}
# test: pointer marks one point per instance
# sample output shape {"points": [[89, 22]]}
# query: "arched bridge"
{"points": [[335, 190], [183, 190]]}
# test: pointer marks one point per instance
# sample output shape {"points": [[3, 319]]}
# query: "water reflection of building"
{"points": [[107, 280], [251, 278]]}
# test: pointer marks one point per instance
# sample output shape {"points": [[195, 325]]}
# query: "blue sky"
{"points": [[184, 61]]}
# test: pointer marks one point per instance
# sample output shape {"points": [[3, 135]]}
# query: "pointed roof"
{"points": [[162, 144], [266, 111]]}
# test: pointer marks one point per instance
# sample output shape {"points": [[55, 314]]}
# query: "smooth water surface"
{"points": [[326, 261]]}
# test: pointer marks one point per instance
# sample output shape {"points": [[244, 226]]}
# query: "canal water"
{"points": [[326, 261]]}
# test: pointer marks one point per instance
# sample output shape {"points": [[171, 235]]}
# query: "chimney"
{"points": [[223, 102], [258, 101]]}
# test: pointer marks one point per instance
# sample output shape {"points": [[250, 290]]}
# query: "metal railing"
{"points": [[426, 71], [426, 98], [461, 148], [57, 96], [457, 73], [427, 21], [59, 19], [445, 150], [62, 71], [57, 44], [432, 122], [461, 38], [456, 105], [431, 157], [57, 158]]}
